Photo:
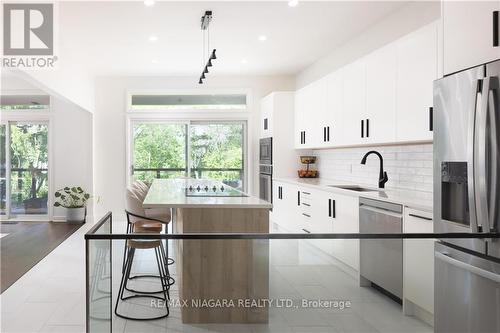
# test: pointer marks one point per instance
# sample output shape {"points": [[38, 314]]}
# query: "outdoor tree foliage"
{"points": [[212, 146], [29, 161]]}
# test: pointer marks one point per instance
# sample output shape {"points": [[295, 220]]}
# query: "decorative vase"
{"points": [[75, 214]]}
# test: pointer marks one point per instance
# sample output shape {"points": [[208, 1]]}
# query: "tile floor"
{"points": [[51, 297]]}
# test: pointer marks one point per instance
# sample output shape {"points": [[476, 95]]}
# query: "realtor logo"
{"points": [[28, 29]]}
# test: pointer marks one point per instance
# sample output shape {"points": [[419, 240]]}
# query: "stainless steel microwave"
{"points": [[266, 151]]}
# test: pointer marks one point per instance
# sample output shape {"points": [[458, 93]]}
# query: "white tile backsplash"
{"points": [[409, 167]]}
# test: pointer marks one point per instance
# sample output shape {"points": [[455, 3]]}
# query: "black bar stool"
{"points": [[133, 245], [147, 225]]}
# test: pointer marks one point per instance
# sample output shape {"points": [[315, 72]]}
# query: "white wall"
{"points": [[72, 148], [71, 134], [394, 26], [110, 125]]}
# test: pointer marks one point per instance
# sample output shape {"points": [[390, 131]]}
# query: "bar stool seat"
{"points": [[143, 244], [147, 226]]}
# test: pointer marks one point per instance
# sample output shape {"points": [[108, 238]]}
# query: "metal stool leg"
{"points": [[123, 285]]}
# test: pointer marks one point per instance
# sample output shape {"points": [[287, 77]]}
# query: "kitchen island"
{"points": [[230, 273]]}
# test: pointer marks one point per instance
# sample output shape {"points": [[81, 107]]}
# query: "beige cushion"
{"points": [[133, 204], [162, 214], [139, 191]]}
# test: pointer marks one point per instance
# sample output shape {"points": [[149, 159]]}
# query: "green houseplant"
{"points": [[74, 199]]}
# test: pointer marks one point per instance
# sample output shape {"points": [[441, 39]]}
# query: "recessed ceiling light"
{"points": [[153, 38], [154, 61], [262, 38], [244, 61], [293, 3], [149, 3]]}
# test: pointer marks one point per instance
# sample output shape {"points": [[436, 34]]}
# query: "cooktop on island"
{"points": [[212, 190]]}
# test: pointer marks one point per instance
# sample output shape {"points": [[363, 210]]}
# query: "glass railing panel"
{"points": [[99, 279], [263, 283]]}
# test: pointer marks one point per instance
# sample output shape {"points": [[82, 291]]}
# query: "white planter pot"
{"points": [[75, 214]]}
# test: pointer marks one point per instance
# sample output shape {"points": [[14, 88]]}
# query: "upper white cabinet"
{"points": [[354, 102], [470, 34], [380, 117], [266, 113], [417, 68], [384, 97], [332, 133]]}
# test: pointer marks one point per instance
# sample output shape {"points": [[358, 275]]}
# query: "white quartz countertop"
{"points": [[413, 199], [171, 193]]}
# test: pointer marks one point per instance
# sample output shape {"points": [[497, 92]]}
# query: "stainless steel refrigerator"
{"points": [[467, 199]]}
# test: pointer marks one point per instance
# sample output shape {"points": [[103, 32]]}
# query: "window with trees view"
{"points": [[216, 151]]}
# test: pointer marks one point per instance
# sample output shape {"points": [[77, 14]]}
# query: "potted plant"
{"points": [[74, 199]]}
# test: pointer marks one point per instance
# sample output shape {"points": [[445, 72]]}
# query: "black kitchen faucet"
{"points": [[382, 177]]}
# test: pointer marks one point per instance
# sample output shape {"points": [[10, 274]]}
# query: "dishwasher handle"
{"points": [[380, 211]]}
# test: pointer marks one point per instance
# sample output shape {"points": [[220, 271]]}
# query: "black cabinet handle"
{"points": [[431, 119], [329, 207], [367, 128], [333, 209], [324, 134], [265, 123], [306, 215], [362, 128], [328, 133], [305, 230], [496, 28], [306, 204], [304, 137], [298, 198]]}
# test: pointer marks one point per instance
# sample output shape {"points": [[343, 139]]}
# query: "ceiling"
{"points": [[112, 38]]}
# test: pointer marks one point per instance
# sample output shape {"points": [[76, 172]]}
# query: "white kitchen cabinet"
{"points": [[346, 220], [286, 207], [302, 98], [417, 68], [310, 117], [380, 116], [333, 124], [468, 34], [266, 114], [317, 115], [327, 212], [354, 102], [418, 265]]}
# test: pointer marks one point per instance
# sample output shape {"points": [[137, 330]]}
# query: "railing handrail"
{"points": [[182, 169], [110, 236]]}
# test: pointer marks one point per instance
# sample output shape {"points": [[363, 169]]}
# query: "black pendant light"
{"points": [[205, 22]]}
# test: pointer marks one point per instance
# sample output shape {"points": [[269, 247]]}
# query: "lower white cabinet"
{"points": [[285, 206], [418, 265], [304, 209]]}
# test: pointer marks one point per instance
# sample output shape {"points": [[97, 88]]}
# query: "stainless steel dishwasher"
{"points": [[381, 260]]}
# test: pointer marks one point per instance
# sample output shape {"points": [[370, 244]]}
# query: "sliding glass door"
{"points": [[208, 150], [24, 185]]}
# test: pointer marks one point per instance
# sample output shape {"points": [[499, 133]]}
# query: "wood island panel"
{"points": [[217, 270]]}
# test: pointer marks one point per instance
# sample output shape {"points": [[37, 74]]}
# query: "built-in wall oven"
{"points": [[266, 169]]}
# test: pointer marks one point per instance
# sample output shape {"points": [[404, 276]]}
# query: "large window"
{"points": [[208, 150]]}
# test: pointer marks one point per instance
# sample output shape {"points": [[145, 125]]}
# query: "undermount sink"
{"points": [[354, 188]]}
